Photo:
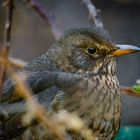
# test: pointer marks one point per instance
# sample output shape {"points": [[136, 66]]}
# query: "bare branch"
{"points": [[16, 62], [7, 38], [38, 111], [93, 13], [6, 48], [129, 91], [47, 18], [35, 110]]}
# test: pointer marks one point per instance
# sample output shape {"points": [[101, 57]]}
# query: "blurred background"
{"points": [[31, 36]]}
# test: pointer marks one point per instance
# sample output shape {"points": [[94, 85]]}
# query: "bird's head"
{"points": [[88, 49]]}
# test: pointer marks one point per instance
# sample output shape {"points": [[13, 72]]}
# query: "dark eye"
{"points": [[91, 50]]}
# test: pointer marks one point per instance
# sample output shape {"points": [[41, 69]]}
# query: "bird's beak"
{"points": [[125, 49]]}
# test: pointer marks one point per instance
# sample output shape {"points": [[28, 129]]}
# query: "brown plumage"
{"points": [[77, 74]]}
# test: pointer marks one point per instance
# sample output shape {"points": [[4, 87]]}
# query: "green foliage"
{"points": [[137, 88]]}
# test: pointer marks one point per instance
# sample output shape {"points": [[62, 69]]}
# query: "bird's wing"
{"points": [[47, 87], [39, 81], [17, 110], [51, 99]]}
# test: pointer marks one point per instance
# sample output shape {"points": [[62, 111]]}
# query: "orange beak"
{"points": [[125, 49]]}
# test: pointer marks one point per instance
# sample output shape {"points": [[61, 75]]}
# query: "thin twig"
{"points": [[15, 62], [18, 63], [52, 123], [129, 91], [24, 91], [47, 18], [7, 39], [93, 13], [6, 48]]}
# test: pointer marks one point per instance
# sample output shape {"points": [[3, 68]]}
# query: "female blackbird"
{"points": [[77, 74]]}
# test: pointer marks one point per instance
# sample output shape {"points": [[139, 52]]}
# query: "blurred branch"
{"points": [[36, 110], [6, 47], [94, 13], [72, 121], [129, 91], [21, 86], [7, 39], [16, 62], [30, 109], [56, 123], [47, 18]]}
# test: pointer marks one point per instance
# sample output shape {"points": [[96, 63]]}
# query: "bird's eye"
{"points": [[91, 50]]}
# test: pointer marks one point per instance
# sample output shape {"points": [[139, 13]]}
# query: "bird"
{"points": [[76, 74]]}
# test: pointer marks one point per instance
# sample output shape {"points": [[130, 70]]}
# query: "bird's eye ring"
{"points": [[91, 50]]}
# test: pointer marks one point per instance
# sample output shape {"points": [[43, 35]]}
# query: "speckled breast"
{"points": [[99, 105], [104, 106]]}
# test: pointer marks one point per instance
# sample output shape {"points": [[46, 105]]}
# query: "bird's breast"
{"points": [[104, 105], [101, 106]]}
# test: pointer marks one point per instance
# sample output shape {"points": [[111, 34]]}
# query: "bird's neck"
{"points": [[106, 67]]}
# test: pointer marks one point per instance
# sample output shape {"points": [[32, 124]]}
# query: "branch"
{"points": [[93, 13], [56, 122], [34, 108], [7, 39], [6, 48], [18, 63], [15, 62], [47, 18], [129, 91]]}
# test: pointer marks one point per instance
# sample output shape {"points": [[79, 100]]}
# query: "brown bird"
{"points": [[77, 74]]}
